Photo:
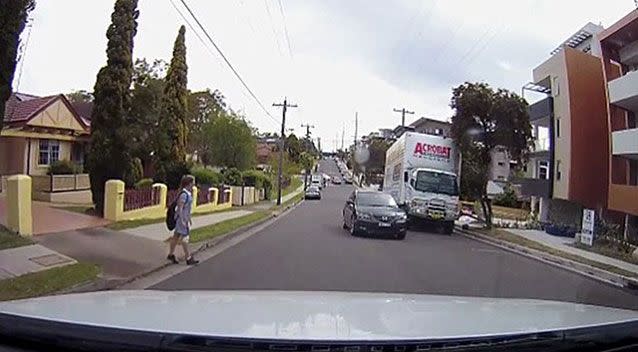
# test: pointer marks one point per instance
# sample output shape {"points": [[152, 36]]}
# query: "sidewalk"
{"points": [[564, 244], [29, 259]]}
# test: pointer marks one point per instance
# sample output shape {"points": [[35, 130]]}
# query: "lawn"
{"points": [[608, 250], [9, 239], [47, 281], [211, 231], [512, 238], [128, 224], [295, 183]]}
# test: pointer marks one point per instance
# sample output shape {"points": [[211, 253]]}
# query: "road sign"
{"points": [[587, 231]]}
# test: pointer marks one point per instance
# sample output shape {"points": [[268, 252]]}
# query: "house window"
{"points": [[543, 170], [49, 152], [557, 127], [558, 170]]}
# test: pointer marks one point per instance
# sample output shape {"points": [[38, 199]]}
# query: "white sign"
{"points": [[587, 231]]}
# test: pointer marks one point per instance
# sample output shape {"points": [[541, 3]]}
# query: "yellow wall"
{"points": [[57, 115]]}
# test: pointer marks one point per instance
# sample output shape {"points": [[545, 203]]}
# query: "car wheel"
{"points": [[448, 227], [353, 230], [401, 236]]}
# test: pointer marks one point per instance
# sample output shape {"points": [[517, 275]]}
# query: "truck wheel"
{"points": [[448, 227]]}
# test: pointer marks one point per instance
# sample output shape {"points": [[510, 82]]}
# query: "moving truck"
{"points": [[422, 173]]}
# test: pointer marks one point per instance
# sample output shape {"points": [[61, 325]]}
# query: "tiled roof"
{"points": [[21, 107]]}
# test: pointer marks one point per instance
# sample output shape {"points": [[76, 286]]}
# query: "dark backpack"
{"points": [[171, 221]]}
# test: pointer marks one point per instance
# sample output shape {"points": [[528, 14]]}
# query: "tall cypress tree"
{"points": [[171, 147], [13, 19], [109, 156]]}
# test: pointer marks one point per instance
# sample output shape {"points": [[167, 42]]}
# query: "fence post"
{"points": [[195, 191], [215, 192], [113, 200], [19, 217], [163, 193]]}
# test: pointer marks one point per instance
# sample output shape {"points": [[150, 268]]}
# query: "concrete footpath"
{"points": [[127, 254], [29, 259]]}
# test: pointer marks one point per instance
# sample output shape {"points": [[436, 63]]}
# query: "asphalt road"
{"points": [[308, 250]]}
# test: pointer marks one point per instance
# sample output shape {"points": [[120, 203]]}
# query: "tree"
{"points": [[203, 106], [231, 142], [293, 147], [109, 156], [80, 96], [146, 98], [376, 161], [306, 160], [13, 19], [170, 150], [483, 120]]}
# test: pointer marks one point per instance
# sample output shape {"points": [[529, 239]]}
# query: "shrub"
{"points": [[144, 183], [208, 177], [232, 177], [135, 174], [64, 167], [258, 179], [508, 198], [175, 172]]}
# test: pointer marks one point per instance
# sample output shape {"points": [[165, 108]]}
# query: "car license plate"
{"points": [[436, 216], [384, 224]]}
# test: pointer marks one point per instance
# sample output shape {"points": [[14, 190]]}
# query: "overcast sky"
{"points": [[343, 56]]}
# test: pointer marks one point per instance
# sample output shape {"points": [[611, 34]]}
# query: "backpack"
{"points": [[171, 220]]}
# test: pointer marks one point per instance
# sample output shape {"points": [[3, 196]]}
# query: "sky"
{"points": [[333, 58]]}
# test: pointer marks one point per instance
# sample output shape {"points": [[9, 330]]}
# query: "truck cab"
{"points": [[432, 195]]}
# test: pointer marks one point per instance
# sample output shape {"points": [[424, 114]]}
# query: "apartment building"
{"points": [[568, 169], [619, 46]]}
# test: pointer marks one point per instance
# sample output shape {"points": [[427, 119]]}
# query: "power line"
{"points": [[283, 16], [228, 62], [190, 25], [272, 26]]}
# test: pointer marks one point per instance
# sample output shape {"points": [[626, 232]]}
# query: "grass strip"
{"points": [[10, 239], [221, 228], [512, 238], [47, 281]]}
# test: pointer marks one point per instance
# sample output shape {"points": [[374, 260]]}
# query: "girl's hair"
{"points": [[186, 181]]}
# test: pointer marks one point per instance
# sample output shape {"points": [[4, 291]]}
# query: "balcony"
{"points": [[623, 198], [541, 109], [537, 187], [623, 91], [625, 143]]}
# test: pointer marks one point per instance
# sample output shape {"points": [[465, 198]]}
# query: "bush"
{"points": [[259, 180], [135, 174], [64, 167], [508, 198], [144, 183], [232, 177], [175, 172], [208, 177]]}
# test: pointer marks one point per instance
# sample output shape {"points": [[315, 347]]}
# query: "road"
{"points": [[308, 250]]}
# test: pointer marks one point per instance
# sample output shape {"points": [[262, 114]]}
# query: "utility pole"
{"points": [[285, 107], [356, 128], [403, 111], [343, 132], [308, 140]]}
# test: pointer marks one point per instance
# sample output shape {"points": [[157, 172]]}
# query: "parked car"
{"points": [[336, 180], [313, 192], [374, 213]]}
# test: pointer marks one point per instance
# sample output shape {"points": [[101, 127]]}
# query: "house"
{"points": [[38, 131]]}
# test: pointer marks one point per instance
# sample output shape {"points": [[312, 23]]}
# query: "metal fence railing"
{"points": [[140, 198]]}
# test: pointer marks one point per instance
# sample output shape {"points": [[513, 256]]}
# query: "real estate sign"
{"points": [[587, 231]]}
